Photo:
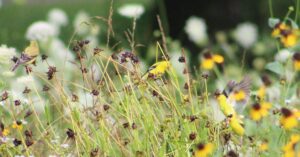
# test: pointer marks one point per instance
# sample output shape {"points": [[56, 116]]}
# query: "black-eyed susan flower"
{"points": [[239, 95], [289, 149], [259, 110], [279, 27], [289, 119], [204, 150], [287, 35], [17, 125], [290, 39], [261, 92], [209, 60], [296, 60], [4, 131]]}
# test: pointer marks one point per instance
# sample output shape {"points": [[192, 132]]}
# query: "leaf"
{"points": [[272, 22], [275, 67], [48, 113], [293, 23]]}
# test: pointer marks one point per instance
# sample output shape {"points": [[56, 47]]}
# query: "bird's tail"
{"points": [[16, 65]]}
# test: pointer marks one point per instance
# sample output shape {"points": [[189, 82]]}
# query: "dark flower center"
{"points": [[286, 112], [256, 106]]}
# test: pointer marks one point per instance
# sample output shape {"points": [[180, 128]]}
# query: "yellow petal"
{"points": [[207, 64], [218, 58], [255, 115]]}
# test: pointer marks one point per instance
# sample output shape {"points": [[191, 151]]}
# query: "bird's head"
{"points": [[33, 43]]}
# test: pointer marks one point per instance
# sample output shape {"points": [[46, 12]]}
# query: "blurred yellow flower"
{"points": [[287, 35], [207, 64], [288, 119], [239, 95], [204, 150], [289, 149], [296, 59], [5, 132], [261, 92], [259, 111], [208, 61], [279, 28], [218, 58], [17, 125], [263, 146], [289, 40]]}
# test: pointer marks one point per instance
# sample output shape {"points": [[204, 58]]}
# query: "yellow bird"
{"points": [[234, 122], [28, 56], [157, 69], [225, 107], [236, 125]]}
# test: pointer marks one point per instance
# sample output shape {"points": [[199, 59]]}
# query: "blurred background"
{"points": [[243, 21], [17, 15]]}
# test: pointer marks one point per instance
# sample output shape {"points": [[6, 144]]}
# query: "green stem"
{"points": [[271, 8], [297, 11]]}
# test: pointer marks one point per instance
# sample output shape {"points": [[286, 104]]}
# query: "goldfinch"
{"points": [[28, 56], [236, 125], [157, 69], [225, 107]]}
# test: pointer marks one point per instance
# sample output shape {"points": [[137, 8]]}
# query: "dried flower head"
{"points": [[4, 96], [17, 142], [106, 107], [181, 59], [70, 133], [97, 50], [28, 113], [46, 88], [74, 98], [192, 136], [44, 57], [95, 92], [17, 102], [51, 71], [26, 90]]}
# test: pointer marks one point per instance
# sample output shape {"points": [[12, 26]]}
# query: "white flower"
{"points": [[5, 139], [8, 73], [195, 28], [246, 34], [65, 145], [79, 25], [25, 80], [60, 52], [6, 53], [131, 10], [283, 55], [57, 17], [41, 31]]}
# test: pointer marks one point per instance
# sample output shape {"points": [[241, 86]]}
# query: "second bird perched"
{"points": [[28, 56], [157, 69]]}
